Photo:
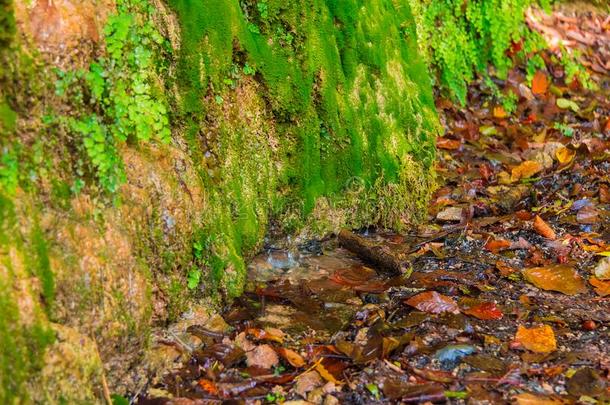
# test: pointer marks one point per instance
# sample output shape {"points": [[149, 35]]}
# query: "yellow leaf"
{"points": [[602, 288], [539, 339], [559, 277], [525, 170], [325, 374], [565, 155]]}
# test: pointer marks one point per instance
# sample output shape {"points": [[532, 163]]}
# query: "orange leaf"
{"points": [[433, 302], [499, 112], [531, 399], [540, 83], [602, 288], [558, 277], [292, 357], [539, 339], [525, 170], [505, 269], [208, 386], [497, 245], [565, 155], [325, 374], [449, 144], [544, 229], [485, 311]]}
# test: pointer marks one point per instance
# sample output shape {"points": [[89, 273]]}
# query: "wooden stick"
{"points": [[375, 254]]}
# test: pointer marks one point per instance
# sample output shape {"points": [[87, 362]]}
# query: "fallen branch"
{"points": [[375, 254]]}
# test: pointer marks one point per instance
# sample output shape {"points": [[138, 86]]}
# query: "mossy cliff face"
{"points": [[147, 147]]}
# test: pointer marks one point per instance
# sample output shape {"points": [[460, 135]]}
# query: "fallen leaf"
{"points": [[262, 356], [208, 386], [565, 155], [539, 339], [602, 270], [543, 229], [531, 399], [585, 381], [448, 144], [602, 288], [292, 357], [453, 353], [564, 103], [269, 334], [505, 269], [485, 311], [433, 302], [497, 245], [325, 374], [587, 215], [540, 83], [604, 192], [559, 277], [450, 214], [499, 112], [525, 170], [307, 382]]}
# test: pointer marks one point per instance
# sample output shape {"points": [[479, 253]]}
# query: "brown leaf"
{"points": [[433, 302], [531, 399], [604, 192], [262, 356], [497, 245], [559, 277], [505, 269], [540, 83], [587, 215], [325, 374], [525, 170], [543, 229], [292, 357], [539, 339], [307, 382], [448, 144], [485, 311]]}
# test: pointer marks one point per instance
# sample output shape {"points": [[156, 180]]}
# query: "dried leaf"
{"points": [[525, 170], [540, 83], [448, 144], [262, 356], [497, 245], [539, 339], [450, 214], [485, 311], [602, 270], [505, 269], [208, 386], [326, 375], [543, 229], [602, 288], [560, 278], [433, 302], [269, 334], [292, 357], [531, 399], [307, 382], [565, 155]]}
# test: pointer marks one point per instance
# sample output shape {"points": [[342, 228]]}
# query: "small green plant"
{"points": [[263, 9], [9, 171], [564, 129], [274, 397]]}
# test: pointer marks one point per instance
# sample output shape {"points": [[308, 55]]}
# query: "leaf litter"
{"points": [[507, 294]]}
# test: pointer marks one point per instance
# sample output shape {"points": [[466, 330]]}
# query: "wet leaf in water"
{"points": [[602, 288], [540, 83], [433, 302], [585, 381], [485, 311], [497, 245], [540, 339], [453, 353], [602, 270], [531, 399], [562, 278], [525, 170], [434, 375], [292, 357], [543, 229]]}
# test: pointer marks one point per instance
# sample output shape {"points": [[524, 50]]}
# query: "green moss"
{"points": [[22, 342], [7, 23]]}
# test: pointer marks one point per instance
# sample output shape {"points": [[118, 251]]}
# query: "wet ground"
{"points": [[506, 294]]}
